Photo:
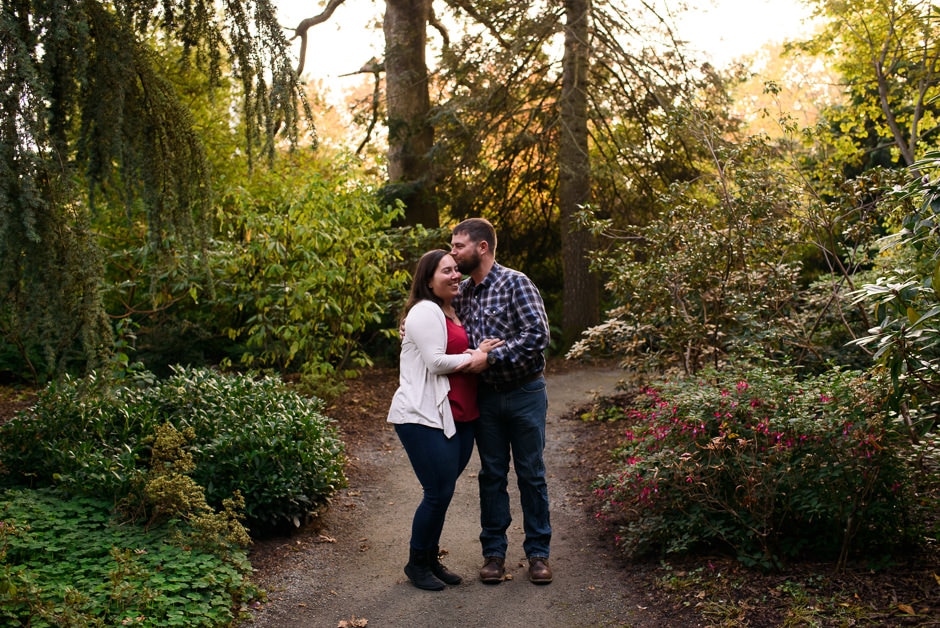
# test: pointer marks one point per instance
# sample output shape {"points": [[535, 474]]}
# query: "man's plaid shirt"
{"points": [[508, 306]]}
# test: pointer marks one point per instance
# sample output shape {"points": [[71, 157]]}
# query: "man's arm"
{"points": [[528, 322]]}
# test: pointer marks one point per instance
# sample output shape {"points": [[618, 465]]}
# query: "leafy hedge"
{"points": [[769, 467], [249, 435]]}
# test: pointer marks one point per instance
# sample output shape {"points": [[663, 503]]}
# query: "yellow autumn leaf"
{"points": [[907, 609], [912, 315], [936, 280], [881, 311]]}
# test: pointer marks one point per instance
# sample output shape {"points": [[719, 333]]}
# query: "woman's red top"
{"points": [[463, 386]]}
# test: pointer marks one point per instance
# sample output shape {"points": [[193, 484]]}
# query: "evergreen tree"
{"points": [[89, 121]]}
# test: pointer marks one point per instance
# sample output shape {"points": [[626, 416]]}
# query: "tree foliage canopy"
{"points": [[887, 54]]}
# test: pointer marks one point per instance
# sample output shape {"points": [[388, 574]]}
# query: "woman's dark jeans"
{"points": [[438, 462]]}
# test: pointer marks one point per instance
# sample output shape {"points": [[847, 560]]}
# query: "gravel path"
{"points": [[350, 574]]}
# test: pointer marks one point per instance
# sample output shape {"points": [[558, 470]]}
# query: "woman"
{"points": [[434, 407]]}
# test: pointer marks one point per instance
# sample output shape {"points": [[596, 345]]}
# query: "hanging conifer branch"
{"points": [[88, 115]]}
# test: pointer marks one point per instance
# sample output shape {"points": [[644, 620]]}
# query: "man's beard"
{"points": [[467, 266]]}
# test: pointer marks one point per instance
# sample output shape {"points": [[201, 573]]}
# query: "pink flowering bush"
{"points": [[768, 467]]}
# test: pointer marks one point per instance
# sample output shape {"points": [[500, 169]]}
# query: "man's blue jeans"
{"points": [[438, 462], [512, 424]]}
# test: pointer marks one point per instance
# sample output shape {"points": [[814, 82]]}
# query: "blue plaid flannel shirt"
{"points": [[506, 305]]}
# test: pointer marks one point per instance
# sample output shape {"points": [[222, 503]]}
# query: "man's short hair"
{"points": [[478, 230]]}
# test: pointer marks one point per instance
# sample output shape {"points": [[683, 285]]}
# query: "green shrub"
{"points": [[250, 436], [308, 267], [768, 466], [170, 494], [65, 562]]}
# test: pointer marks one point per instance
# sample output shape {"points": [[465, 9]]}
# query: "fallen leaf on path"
{"points": [[353, 623], [907, 609], [324, 539]]}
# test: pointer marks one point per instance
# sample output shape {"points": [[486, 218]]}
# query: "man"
{"points": [[498, 302]]}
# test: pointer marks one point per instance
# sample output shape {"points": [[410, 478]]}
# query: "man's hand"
{"points": [[478, 362]]}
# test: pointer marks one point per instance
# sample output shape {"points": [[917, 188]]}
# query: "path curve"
{"points": [[353, 572]]}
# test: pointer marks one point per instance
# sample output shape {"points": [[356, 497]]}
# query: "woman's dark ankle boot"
{"points": [[439, 570], [419, 572]]}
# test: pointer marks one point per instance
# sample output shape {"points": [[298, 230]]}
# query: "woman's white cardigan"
{"points": [[424, 364]]}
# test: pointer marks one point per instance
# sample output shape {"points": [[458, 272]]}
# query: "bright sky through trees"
{"points": [[727, 29], [723, 29]]}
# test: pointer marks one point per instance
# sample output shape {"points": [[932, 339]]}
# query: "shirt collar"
{"points": [[495, 271]]}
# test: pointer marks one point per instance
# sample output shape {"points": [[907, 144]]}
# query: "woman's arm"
{"points": [[427, 329]]}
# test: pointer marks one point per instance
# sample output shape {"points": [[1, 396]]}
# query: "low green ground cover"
{"points": [[124, 503], [67, 561]]}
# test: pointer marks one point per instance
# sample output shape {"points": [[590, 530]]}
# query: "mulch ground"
{"points": [[12, 400]]}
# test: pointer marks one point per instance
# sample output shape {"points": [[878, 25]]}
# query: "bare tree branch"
{"points": [[304, 26], [372, 66], [376, 104], [467, 6], [375, 67], [440, 28]]}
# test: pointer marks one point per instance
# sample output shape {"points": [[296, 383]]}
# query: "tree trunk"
{"points": [[581, 291], [410, 135]]}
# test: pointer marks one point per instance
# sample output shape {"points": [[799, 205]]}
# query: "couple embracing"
{"points": [[471, 371]]}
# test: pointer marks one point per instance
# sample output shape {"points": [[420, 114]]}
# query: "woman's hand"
{"points": [[489, 344]]}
